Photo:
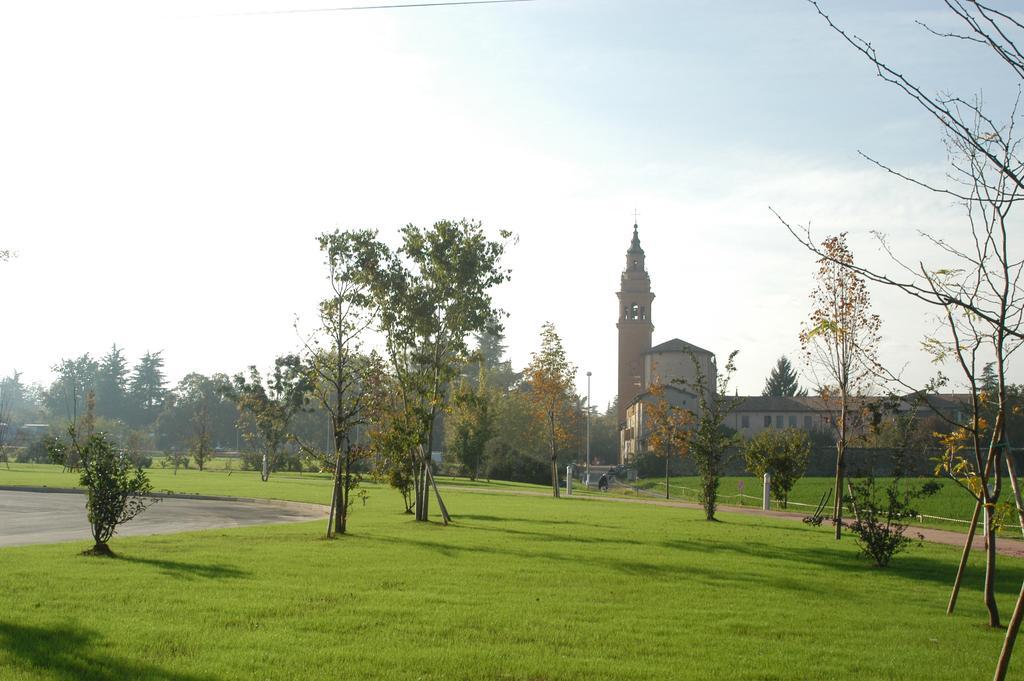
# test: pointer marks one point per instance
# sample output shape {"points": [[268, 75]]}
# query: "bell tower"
{"points": [[635, 325]]}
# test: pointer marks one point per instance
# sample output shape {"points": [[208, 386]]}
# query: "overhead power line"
{"points": [[353, 8]]}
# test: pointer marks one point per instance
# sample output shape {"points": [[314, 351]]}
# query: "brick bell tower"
{"points": [[635, 325]]}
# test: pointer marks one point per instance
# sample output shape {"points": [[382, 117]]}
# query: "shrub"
{"points": [[783, 453], [116, 489], [883, 514]]}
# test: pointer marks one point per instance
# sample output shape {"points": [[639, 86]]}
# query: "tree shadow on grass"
{"points": [[75, 654], [186, 570], [624, 562], [841, 558], [535, 521], [555, 537]]}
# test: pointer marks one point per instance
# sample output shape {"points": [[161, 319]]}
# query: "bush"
{"points": [[116, 489], [783, 453], [507, 463], [883, 515]]}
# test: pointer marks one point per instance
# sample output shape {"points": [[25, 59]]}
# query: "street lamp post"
{"points": [[588, 430]]}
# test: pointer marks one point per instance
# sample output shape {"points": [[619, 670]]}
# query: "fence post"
{"points": [[568, 481], [766, 500]]}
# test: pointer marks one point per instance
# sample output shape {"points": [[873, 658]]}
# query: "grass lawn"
{"points": [[519, 588], [308, 487]]}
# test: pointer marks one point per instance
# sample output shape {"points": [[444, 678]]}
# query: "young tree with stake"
{"points": [[550, 377], [840, 344]]}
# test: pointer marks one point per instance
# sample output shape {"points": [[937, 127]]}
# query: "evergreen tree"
{"points": [[147, 388], [112, 385], [782, 382]]}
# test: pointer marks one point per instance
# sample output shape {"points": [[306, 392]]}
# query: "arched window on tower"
{"points": [[625, 311], [634, 312], [643, 312]]}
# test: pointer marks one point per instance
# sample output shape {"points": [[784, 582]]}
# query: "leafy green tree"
{"points": [[782, 382], [710, 439], [471, 424], [394, 437], [338, 377], [269, 407], [783, 453], [75, 379], [116, 488], [550, 378], [432, 294], [10, 392]]}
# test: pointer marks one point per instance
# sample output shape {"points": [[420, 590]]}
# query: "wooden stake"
{"points": [[963, 559]]}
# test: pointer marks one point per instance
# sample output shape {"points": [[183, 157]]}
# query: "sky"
{"points": [[165, 167]]}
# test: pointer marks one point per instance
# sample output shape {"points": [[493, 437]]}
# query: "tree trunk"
{"points": [[341, 517], [990, 571], [666, 477], [417, 476], [963, 558], [837, 513], [554, 462]]}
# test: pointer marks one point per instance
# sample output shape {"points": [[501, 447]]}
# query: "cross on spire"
{"points": [[635, 213]]}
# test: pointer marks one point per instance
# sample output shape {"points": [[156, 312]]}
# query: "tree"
{"points": [[550, 378], [75, 379], [975, 288], [471, 424], [432, 294], [269, 408], [668, 428], [516, 451], [198, 402], [710, 439], [782, 382], [783, 454], [841, 342], [9, 393], [147, 388], [338, 377], [112, 385], [116, 488]]}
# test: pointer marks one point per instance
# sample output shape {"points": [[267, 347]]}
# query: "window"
{"points": [[745, 420], [808, 422], [634, 312], [643, 312], [767, 420], [778, 420], [792, 420]]}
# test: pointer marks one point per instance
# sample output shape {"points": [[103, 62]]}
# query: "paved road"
{"points": [[48, 517]]}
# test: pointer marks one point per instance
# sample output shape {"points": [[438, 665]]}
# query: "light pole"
{"points": [[588, 430]]}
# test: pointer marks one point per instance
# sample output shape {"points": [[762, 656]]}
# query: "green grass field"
{"points": [[949, 502], [519, 587]]}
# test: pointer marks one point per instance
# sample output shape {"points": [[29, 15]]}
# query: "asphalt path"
{"points": [[49, 517]]}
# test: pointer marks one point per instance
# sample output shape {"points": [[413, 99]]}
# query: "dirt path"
{"points": [[1006, 547]]}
